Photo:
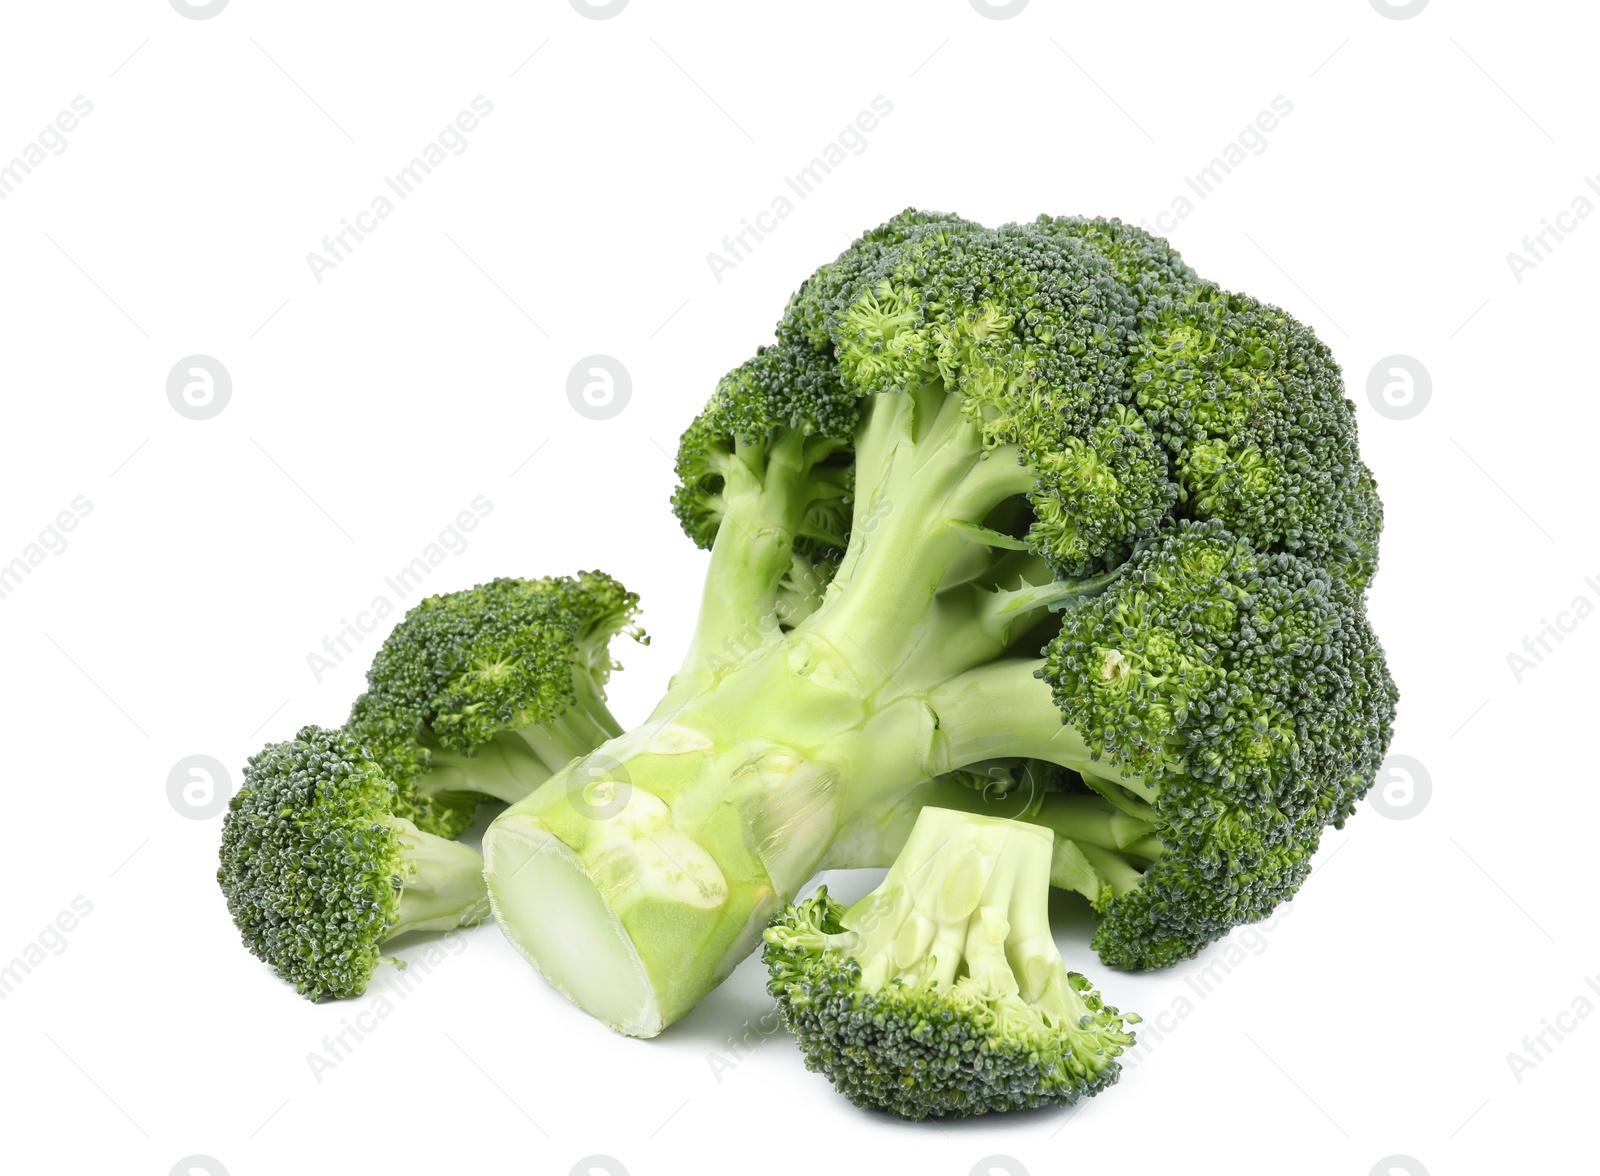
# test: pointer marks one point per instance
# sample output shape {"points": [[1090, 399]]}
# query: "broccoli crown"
{"points": [[464, 666], [942, 993], [314, 861], [1251, 694], [1135, 392]]}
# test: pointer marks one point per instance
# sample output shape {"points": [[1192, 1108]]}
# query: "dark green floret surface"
{"points": [[912, 1050], [312, 864]]}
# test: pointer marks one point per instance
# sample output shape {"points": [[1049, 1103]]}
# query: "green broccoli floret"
{"points": [[319, 871], [1036, 493], [942, 992], [491, 690]]}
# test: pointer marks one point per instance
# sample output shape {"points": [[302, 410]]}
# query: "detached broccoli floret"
{"points": [[491, 690], [319, 871], [942, 992]]}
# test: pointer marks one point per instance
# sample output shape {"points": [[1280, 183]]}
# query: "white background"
{"points": [[372, 406]]}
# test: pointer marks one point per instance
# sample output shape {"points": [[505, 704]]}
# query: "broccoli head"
{"points": [[491, 690], [319, 871]]}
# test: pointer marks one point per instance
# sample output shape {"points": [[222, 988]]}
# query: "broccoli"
{"points": [[1036, 493], [489, 691], [942, 992], [319, 871], [1101, 849]]}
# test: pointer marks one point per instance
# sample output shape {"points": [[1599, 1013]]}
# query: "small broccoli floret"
{"points": [[319, 871], [942, 993], [491, 690]]}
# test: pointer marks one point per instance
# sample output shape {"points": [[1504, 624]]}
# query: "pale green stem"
{"points": [[444, 884]]}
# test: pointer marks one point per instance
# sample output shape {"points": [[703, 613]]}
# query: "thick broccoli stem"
{"points": [[638, 892], [441, 882]]}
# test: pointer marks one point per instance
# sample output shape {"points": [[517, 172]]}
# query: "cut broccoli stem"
{"points": [[693, 830], [443, 886]]}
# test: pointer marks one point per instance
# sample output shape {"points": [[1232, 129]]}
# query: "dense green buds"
{"points": [[319, 871]]}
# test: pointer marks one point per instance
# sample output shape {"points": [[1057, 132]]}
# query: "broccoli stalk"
{"points": [[441, 881], [1101, 850], [946, 974], [967, 447], [512, 763]]}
